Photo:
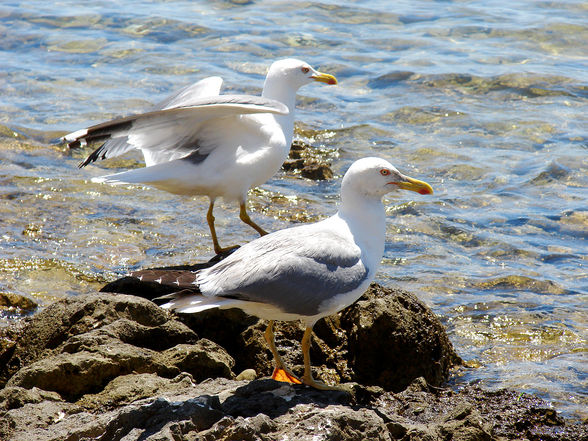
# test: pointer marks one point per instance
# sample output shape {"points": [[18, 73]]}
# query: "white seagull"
{"points": [[198, 142], [302, 273]]}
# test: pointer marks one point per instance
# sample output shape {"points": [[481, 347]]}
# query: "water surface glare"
{"points": [[486, 102]]}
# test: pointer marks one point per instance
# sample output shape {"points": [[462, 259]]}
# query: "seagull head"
{"points": [[297, 73], [374, 177]]}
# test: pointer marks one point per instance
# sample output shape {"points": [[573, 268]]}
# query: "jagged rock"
{"points": [[73, 316], [140, 373], [16, 397], [387, 338], [116, 336]]}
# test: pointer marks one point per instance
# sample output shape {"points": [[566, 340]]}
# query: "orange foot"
{"points": [[281, 375]]}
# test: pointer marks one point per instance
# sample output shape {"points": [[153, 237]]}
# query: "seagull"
{"points": [[306, 272], [198, 142]]}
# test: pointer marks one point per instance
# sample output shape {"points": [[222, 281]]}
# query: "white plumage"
{"points": [[305, 272], [198, 142]]}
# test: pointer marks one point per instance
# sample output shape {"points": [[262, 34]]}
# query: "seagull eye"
{"points": [[385, 172], [305, 70]]}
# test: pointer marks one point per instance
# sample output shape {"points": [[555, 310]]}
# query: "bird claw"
{"points": [[323, 386]]}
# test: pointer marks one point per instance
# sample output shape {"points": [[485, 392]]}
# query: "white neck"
{"points": [[274, 89], [366, 218]]}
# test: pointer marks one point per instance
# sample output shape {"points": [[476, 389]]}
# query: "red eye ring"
{"points": [[305, 70], [385, 172]]}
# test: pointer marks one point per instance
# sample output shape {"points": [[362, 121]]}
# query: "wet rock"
{"points": [[303, 159], [11, 300], [316, 171]]}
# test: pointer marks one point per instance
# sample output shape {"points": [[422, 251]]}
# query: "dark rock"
{"points": [[316, 171], [388, 338], [308, 162], [9, 335], [240, 334], [394, 338], [11, 300], [116, 336], [116, 367]]}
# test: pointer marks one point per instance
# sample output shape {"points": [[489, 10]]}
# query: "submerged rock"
{"points": [[304, 160], [11, 300]]}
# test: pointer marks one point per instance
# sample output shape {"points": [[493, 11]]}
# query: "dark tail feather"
{"points": [[179, 278], [147, 284], [151, 284]]}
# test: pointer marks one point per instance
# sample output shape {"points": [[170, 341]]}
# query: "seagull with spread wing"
{"points": [[198, 142]]}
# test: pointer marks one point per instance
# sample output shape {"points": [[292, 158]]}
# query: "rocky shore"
{"points": [[115, 366]]}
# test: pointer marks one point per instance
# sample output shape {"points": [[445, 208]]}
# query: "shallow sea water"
{"points": [[486, 102]]}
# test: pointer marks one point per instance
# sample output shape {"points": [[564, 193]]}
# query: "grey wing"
{"points": [[296, 271], [169, 133], [210, 86]]}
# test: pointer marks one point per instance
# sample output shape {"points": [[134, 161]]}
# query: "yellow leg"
{"points": [[210, 219], [281, 371], [244, 216], [307, 377]]}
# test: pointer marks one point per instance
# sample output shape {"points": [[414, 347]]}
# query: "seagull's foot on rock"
{"points": [[309, 381], [284, 375]]}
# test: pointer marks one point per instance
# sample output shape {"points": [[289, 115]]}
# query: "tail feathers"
{"points": [[108, 179], [187, 299], [167, 176], [135, 176], [193, 303], [180, 278]]}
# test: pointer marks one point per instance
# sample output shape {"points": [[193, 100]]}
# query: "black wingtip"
{"points": [[93, 157]]}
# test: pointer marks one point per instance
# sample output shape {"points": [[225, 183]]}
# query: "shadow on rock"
{"points": [[114, 366]]}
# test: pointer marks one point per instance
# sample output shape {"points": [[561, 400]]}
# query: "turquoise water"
{"points": [[486, 102]]}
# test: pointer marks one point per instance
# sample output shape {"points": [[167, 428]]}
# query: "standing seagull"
{"points": [[302, 273], [198, 142]]}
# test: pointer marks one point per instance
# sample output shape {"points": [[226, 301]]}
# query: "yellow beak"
{"points": [[324, 78], [414, 185]]}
